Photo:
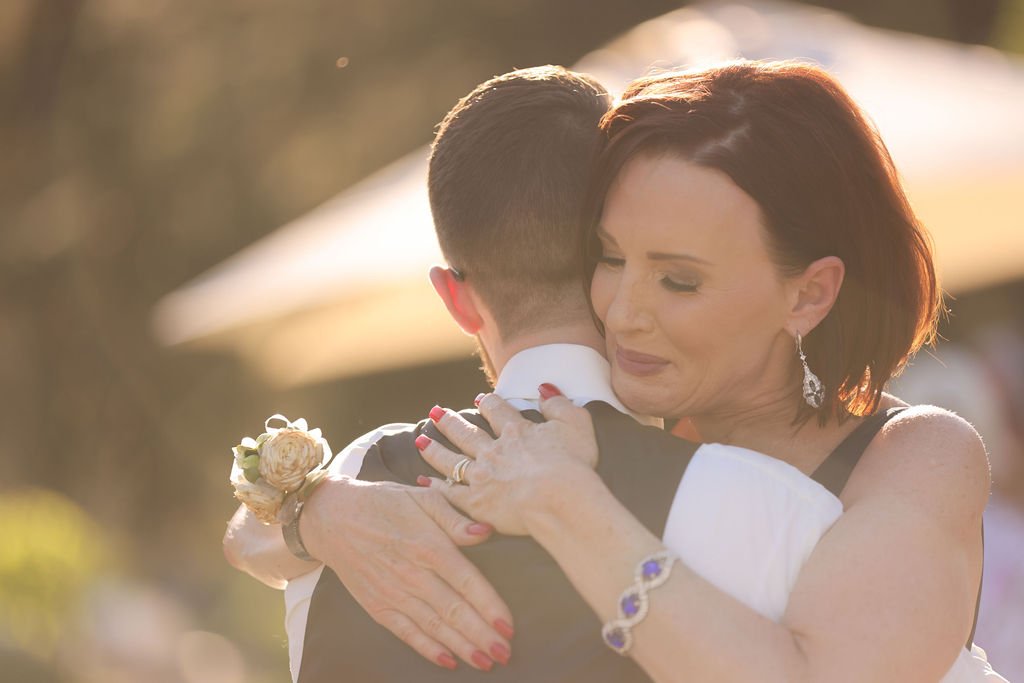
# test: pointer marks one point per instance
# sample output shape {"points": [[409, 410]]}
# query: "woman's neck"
{"points": [[767, 426]]}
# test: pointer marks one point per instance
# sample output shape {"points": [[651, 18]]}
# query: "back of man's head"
{"points": [[508, 173]]}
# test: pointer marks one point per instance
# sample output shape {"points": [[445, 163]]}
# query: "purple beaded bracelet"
{"points": [[651, 572]]}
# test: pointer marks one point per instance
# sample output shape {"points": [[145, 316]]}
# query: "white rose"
{"points": [[260, 497], [288, 456]]}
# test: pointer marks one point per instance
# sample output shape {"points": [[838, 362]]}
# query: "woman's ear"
{"points": [[457, 298], [814, 293]]}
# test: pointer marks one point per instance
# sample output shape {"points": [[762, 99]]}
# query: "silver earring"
{"points": [[814, 390]]}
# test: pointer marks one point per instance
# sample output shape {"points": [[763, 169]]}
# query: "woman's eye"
{"points": [[612, 261], [675, 286]]}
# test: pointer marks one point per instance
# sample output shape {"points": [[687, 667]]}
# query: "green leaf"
{"points": [[252, 474], [250, 462]]}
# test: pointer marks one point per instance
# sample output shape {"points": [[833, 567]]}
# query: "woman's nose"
{"points": [[629, 310]]}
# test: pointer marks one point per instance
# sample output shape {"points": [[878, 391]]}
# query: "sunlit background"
{"points": [[215, 211]]}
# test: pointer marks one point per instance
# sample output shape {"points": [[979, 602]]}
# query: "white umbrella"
{"points": [[343, 290]]}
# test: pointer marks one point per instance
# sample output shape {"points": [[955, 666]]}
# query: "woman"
{"points": [[759, 272]]}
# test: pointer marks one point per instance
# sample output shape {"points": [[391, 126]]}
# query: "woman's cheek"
{"points": [[602, 291]]}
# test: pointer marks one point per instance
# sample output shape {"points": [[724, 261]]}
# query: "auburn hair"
{"points": [[789, 136]]}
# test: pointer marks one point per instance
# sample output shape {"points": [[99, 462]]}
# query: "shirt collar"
{"points": [[581, 373]]}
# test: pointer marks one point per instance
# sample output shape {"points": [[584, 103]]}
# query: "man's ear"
{"points": [[457, 299], [814, 293]]}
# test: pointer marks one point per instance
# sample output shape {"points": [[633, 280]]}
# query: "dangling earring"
{"points": [[814, 390]]}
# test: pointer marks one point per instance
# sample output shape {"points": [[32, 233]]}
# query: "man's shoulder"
{"points": [[612, 426], [389, 453], [347, 460]]}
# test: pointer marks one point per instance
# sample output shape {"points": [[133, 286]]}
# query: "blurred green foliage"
{"points": [[1008, 33], [51, 552]]}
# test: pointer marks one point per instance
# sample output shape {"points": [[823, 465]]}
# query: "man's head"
{"points": [[508, 173]]}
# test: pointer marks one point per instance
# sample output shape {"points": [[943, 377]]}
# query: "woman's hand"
{"points": [[395, 549], [524, 471]]}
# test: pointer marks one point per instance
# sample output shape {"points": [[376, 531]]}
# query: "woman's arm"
{"points": [[886, 595], [395, 548], [259, 550]]}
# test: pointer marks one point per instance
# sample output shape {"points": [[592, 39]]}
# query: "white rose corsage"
{"points": [[276, 463]]}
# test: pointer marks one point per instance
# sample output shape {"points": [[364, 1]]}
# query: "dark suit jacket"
{"points": [[558, 637]]}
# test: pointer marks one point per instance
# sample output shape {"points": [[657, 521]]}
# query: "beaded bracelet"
{"points": [[651, 572]]}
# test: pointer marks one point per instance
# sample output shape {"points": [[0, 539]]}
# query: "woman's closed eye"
{"points": [[674, 285], [668, 282], [611, 261]]}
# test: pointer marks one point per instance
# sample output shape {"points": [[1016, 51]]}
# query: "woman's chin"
{"points": [[643, 400]]}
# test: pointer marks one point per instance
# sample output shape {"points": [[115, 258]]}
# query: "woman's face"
{"points": [[693, 307]]}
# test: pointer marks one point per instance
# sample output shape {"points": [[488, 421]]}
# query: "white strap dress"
{"points": [[747, 523]]}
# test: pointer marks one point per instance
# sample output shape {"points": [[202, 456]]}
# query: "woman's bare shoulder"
{"points": [[929, 456]]}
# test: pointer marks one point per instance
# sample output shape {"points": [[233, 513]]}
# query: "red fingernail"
{"points": [[436, 413], [424, 481], [504, 628], [476, 528], [422, 441], [482, 661], [548, 390], [500, 653], [479, 397], [447, 661]]}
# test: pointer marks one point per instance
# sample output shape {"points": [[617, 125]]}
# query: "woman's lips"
{"points": [[639, 364]]}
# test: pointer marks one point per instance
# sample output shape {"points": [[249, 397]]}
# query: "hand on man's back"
{"points": [[404, 567]]}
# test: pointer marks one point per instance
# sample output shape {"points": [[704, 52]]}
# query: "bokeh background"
{"points": [[153, 309]]}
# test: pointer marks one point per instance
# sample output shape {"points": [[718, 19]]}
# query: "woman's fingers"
{"points": [[439, 457], [463, 576], [500, 414], [459, 496], [464, 435], [461, 529], [466, 579], [436, 626], [392, 548], [468, 604], [555, 406], [458, 592], [406, 630]]}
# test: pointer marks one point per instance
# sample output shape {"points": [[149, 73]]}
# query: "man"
{"points": [[507, 178]]}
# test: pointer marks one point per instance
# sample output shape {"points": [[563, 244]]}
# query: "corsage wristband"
{"points": [[291, 513], [277, 463], [651, 572]]}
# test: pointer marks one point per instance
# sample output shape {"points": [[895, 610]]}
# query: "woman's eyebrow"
{"points": [[655, 255], [663, 256], [604, 234]]}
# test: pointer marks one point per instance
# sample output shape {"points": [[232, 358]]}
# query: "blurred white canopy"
{"points": [[343, 290]]}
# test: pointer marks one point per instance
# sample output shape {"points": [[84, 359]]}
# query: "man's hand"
{"points": [[396, 550]]}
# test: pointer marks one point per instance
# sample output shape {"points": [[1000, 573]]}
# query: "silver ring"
{"points": [[458, 475]]}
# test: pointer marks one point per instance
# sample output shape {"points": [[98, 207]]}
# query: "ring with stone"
{"points": [[458, 475]]}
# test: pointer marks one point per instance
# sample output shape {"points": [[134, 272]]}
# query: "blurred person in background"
{"points": [[1002, 347], [740, 213]]}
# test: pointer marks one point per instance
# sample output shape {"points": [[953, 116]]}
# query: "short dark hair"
{"points": [[790, 137], [507, 180]]}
